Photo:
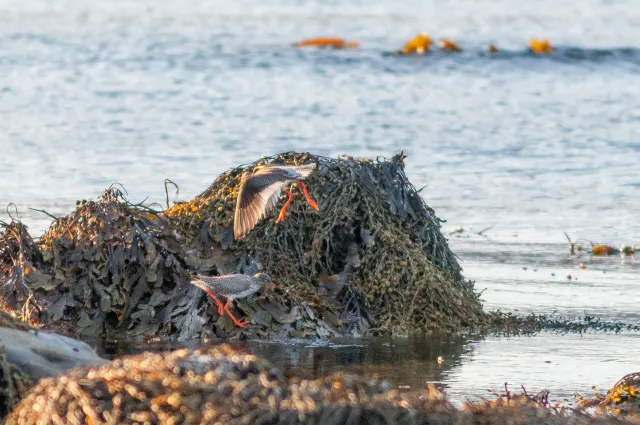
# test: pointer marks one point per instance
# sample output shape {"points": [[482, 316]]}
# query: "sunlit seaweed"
{"points": [[333, 42], [371, 222], [420, 44], [623, 399], [540, 46], [447, 45], [226, 386], [599, 249], [113, 268]]}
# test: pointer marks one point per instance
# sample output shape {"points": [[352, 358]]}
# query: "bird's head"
{"points": [[264, 280]]}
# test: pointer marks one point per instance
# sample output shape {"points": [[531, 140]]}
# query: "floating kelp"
{"points": [[622, 399], [540, 46], [333, 42], [373, 229], [447, 45], [598, 249], [418, 45], [224, 386]]}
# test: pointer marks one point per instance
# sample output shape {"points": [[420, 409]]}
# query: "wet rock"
{"points": [[27, 354], [45, 354]]}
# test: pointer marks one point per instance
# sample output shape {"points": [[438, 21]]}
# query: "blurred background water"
{"points": [[95, 92]]}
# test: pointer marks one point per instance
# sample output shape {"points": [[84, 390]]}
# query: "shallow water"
{"points": [[470, 368], [94, 92]]}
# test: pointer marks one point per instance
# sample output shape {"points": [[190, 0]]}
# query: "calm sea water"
{"points": [[95, 92]]}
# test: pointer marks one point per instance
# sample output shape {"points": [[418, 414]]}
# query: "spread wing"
{"points": [[259, 193], [293, 171]]}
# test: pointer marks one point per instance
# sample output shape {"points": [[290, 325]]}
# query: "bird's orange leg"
{"points": [[306, 195], [283, 211], [218, 303], [235, 321]]}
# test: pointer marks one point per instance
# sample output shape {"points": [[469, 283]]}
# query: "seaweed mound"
{"points": [[372, 260], [20, 259], [374, 247], [115, 266], [117, 270], [216, 385], [110, 268]]}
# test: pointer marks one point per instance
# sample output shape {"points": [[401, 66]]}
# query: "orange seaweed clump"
{"points": [[447, 45], [540, 46], [419, 44], [336, 43], [603, 250]]}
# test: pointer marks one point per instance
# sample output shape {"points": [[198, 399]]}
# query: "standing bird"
{"points": [[231, 286], [260, 191]]}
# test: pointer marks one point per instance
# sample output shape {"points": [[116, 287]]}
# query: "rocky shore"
{"points": [[372, 261]]}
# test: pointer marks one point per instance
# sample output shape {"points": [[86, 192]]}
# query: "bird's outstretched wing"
{"points": [[259, 193]]}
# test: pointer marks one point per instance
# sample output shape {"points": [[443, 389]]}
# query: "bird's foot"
{"points": [[307, 197], [241, 324], [283, 211]]}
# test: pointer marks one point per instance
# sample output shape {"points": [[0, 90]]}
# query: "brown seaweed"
{"points": [[225, 386], [116, 269]]}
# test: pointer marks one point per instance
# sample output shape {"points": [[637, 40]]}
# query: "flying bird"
{"points": [[260, 191]]}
